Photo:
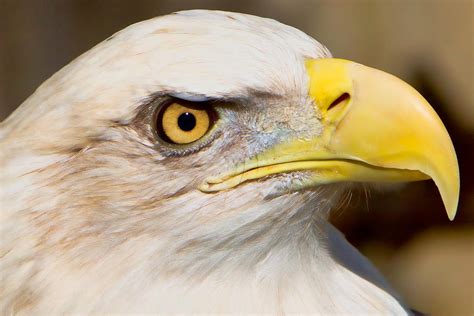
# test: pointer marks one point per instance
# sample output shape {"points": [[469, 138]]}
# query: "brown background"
{"points": [[427, 43]]}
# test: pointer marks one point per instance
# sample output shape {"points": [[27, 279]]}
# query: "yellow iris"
{"points": [[184, 124]]}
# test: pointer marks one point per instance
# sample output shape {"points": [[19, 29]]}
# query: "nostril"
{"points": [[343, 97]]}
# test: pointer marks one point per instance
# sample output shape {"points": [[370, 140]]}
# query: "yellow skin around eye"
{"points": [[175, 133]]}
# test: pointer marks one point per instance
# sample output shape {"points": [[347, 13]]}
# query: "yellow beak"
{"points": [[376, 128]]}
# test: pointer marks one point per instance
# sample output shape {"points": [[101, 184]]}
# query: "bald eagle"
{"points": [[188, 164]]}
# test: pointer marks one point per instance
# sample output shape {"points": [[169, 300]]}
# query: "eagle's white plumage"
{"points": [[98, 218]]}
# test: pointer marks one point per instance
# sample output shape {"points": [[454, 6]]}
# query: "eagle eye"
{"points": [[183, 122]]}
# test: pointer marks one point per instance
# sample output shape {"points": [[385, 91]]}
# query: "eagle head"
{"points": [[189, 163]]}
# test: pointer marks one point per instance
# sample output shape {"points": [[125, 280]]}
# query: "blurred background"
{"points": [[429, 44]]}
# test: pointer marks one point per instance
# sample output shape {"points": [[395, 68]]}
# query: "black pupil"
{"points": [[187, 121]]}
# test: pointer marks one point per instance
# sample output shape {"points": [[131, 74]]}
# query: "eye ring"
{"points": [[182, 122]]}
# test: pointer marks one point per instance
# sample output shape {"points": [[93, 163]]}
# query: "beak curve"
{"points": [[377, 128]]}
